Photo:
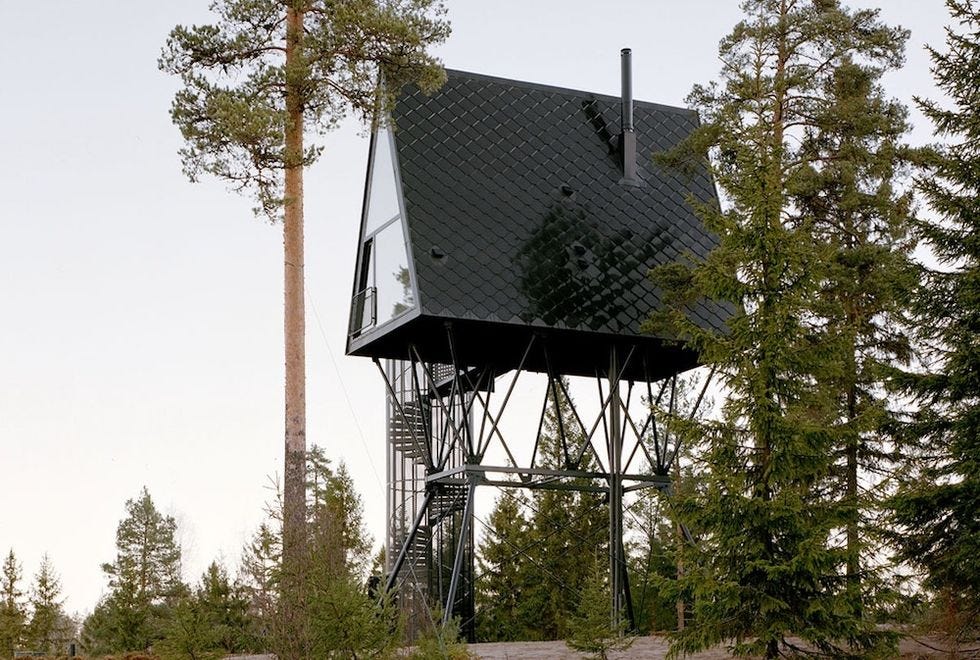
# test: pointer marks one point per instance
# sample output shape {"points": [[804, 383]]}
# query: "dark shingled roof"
{"points": [[520, 187]]}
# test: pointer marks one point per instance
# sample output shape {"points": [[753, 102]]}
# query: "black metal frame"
{"points": [[440, 426]]}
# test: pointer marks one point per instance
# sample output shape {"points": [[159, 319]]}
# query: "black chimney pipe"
{"points": [[626, 117], [627, 139]]}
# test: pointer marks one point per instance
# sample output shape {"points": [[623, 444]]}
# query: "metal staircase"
{"points": [[423, 575]]}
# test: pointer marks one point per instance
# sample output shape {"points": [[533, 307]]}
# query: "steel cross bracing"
{"points": [[441, 424]]}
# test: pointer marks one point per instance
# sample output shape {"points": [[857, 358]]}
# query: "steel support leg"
{"points": [[615, 444], [447, 612], [407, 544]]}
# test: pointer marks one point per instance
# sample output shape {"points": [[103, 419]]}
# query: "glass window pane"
{"points": [[383, 203], [395, 293]]}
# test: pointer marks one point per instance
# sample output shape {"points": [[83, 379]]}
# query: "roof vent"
{"points": [[627, 139]]}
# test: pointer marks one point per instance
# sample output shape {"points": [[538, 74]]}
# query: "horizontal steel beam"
{"points": [[446, 476]]}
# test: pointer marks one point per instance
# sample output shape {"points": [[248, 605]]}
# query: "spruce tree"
{"points": [[936, 509], [562, 528], [259, 575], [47, 617], [337, 615], [502, 573], [764, 567], [12, 607], [652, 559], [211, 622], [225, 606], [590, 630]]}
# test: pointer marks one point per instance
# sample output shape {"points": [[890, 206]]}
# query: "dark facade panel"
{"points": [[518, 218]]}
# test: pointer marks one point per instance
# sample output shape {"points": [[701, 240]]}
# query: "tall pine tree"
{"points": [[937, 510], [259, 85], [765, 568], [144, 582], [854, 196]]}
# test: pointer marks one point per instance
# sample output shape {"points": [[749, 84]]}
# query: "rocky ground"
{"points": [[656, 647]]}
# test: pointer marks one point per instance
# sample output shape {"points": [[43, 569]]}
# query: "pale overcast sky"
{"points": [[141, 315]]}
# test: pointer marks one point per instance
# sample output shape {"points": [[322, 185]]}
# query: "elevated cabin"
{"points": [[511, 209]]}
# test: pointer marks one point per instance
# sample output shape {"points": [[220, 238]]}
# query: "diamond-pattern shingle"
{"points": [[519, 186]]}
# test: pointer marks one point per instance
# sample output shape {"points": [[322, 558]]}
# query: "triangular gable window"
{"points": [[383, 205], [385, 286]]}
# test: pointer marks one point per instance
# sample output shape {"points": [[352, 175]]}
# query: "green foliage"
{"points": [[531, 558], [12, 607], [144, 582], [851, 192], [652, 563], [766, 564], [49, 630], [211, 622], [336, 516], [503, 576], [440, 641], [188, 634], [591, 628], [936, 507], [657, 549], [232, 110], [338, 617], [345, 622], [260, 570]]}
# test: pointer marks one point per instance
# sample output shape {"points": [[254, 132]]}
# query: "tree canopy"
{"points": [[936, 509], [765, 566]]}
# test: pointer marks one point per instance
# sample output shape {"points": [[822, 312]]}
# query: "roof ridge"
{"points": [[650, 105]]}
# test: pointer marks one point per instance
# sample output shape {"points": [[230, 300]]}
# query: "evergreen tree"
{"points": [[188, 634], [936, 508], [566, 528], [658, 546], [652, 560], [255, 83], [764, 566], [337, 616], [852, 195], [213, 621], [591, 631], [545, 556], [12, 608], [440, 641], [45, 630], [99, 628], [144, 581], [225, 605], [336, 515], [345, 622], [260, 579], [500, 589]]}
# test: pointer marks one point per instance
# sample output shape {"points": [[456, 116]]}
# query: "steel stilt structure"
{"points": [[441, 424]]}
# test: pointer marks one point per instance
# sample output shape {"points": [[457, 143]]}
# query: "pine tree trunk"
{"points": [[851, 447], [294, 501], [853, 542], [774, 209]]}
